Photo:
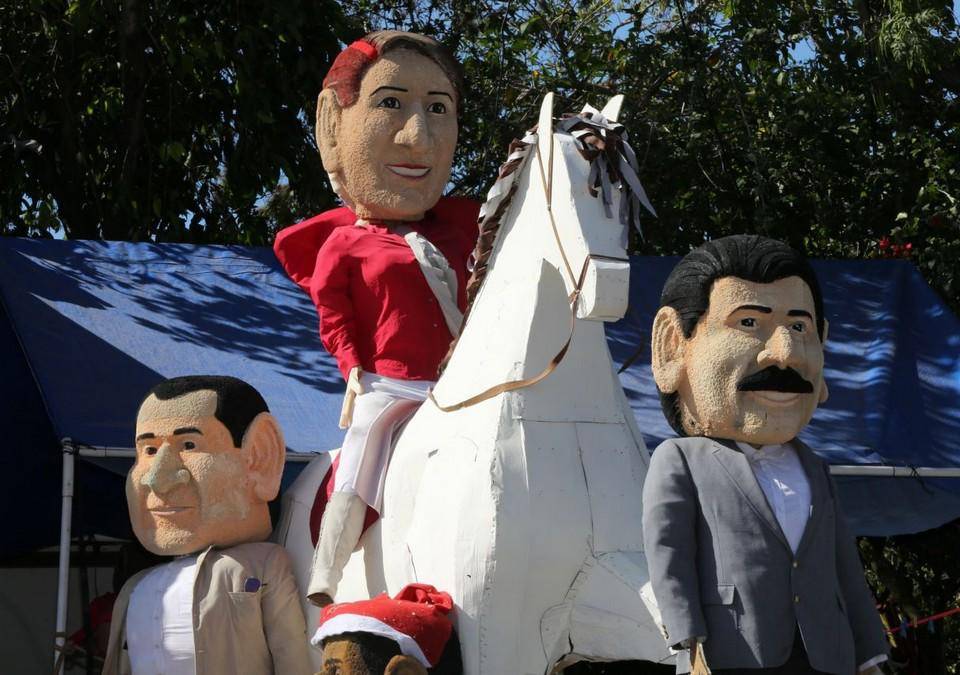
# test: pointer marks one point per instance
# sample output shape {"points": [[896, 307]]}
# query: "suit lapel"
{"points": [[737, 468], [818, 491]]}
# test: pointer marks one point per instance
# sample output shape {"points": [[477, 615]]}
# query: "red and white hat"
{"points": [[416, 619]]}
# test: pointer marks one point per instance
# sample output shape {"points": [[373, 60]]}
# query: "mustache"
{"points": [[772, 378]]}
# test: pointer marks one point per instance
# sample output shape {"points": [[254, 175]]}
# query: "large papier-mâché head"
{"points": [[387, 124], [738, 342], [209, 458]]}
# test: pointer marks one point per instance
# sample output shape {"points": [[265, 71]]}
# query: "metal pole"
{"points": [[875, 471], [63, 574], [130, 453]]}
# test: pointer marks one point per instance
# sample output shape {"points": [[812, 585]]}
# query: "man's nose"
{"points": [[781, 350], [166, 471], [415, 134]]}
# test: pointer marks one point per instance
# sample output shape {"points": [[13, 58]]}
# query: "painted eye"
{"points": [[748, 322], [150, 450], [390, 102], [799, 326], [189, 445], [437, 108]]}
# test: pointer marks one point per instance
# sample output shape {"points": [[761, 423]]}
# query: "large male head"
{"points": [[387, 124], [209, 458], [738, 342]]}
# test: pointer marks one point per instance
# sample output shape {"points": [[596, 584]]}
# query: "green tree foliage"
{"points": [[135, 119], [916, 576]]}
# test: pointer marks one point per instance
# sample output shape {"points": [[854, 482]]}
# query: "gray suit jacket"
{"points": [[721, 567]]}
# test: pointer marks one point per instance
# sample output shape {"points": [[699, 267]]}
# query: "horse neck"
{"points": [[521, 318]]}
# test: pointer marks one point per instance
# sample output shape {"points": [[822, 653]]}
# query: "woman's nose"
{"points": [[414, 133]]}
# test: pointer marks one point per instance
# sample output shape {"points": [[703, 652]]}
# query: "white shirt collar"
{"points": [[772, 450]]}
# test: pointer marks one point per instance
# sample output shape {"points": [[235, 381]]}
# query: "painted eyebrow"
{"points": [[800, 312], [378, 89], [755, 308], [440, 93], [181, 430]]}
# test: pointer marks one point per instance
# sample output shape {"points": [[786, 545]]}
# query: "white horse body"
{"points": [[526, 506]]}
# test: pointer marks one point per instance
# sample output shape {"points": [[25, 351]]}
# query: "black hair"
{"points": [[748, 257], [450, 663], [238, 403], [376, 651]]}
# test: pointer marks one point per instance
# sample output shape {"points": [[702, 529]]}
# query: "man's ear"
{"points": [[667, 344], [401, 664], [265, 451], [328, 126], [824, 393]]}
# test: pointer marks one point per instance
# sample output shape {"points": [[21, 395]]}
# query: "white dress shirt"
{"points": [[785, 485], [160, 620]]}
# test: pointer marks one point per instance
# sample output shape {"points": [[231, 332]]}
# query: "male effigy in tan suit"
{"points": [[209, 458]]}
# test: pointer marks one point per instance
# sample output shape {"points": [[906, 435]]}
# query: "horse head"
{"points": [[589, 176]]}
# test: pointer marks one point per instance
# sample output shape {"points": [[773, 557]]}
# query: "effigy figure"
{"points": [[750, 559], [410, 634], [209, 458], [517, 487], [387, 271]]}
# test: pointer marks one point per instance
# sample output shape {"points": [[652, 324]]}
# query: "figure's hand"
{"points": [[698, 662], [354, 389]]}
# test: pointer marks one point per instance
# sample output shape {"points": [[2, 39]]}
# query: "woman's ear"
{"points": [[401, 664], [327, 129], [265, 451], [667, 343]]}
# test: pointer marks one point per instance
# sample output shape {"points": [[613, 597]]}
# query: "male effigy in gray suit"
{"points": [[747, 549]]}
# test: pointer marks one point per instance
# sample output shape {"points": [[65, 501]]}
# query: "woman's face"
{"points": [[396, 142]]}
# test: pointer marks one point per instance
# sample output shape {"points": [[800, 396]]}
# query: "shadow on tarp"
{"points": [[88, 327], [101, 322]]}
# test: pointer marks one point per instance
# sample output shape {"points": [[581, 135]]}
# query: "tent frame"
{"points": [[70, 451]]}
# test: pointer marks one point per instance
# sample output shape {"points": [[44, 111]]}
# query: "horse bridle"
{"points": [[546, 179]]}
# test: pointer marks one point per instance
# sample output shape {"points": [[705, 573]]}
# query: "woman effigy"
{"points": [[387, 271]]}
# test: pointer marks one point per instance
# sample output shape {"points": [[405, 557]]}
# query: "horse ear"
{"points": [[545, 142], [611, 111], [545, 128]]}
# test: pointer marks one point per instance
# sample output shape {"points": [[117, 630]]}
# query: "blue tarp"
{"points": [[87, 327]]}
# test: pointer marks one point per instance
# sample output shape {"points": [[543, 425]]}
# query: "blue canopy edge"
{"points": [[91, 326]]}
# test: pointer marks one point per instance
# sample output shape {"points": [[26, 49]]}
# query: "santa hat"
{"points": [[416, 619]]}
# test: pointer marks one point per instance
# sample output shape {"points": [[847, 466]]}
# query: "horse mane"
{"points": [[612, 163]]}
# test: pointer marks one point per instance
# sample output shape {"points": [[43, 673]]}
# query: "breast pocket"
{"points": [[245, 610]]}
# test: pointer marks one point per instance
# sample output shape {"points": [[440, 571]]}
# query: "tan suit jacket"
{"points": [[235, 632]]}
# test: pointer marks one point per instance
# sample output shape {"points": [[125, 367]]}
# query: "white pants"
{"points": [[386, 404]]}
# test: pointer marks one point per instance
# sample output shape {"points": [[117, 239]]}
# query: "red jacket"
{"points": [[376, 309]]}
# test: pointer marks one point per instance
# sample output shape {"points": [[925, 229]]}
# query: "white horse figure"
{"points": [[525, 505]]}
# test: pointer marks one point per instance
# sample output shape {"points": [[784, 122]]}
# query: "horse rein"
{"points": [[546, 179]]}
